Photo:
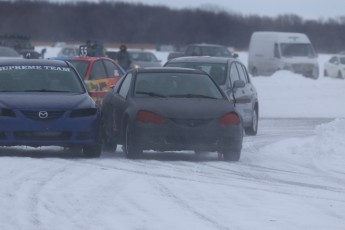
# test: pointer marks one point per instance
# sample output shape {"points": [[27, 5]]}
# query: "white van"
{"points": [[272, 51]]}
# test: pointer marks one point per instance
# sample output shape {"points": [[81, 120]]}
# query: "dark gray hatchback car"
{"points": [[229, 74]]}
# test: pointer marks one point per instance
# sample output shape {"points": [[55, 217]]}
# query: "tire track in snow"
{"points": [[168, 193]]}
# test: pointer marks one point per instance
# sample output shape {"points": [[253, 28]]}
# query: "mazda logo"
{"points": [[43, 114]]}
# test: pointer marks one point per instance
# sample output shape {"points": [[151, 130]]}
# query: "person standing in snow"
{"points": [[123, 58]]}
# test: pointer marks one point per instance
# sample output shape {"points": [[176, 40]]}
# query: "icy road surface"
{"points": [[273, 186]]}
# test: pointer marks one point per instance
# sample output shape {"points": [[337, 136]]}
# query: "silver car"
{"points": [[335, 67], [231, 75], [142, 58]]}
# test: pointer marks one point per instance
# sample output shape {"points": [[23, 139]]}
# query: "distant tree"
{"points": [[139, 23]]}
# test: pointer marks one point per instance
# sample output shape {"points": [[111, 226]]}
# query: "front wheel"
{"points": [[325, 73], [92, 151], [340, 75], [255, 72], [132, 150], [252, 130]]}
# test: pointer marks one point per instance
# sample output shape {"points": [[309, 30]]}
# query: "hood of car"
{"points": [[46, 101], [186, 108]]}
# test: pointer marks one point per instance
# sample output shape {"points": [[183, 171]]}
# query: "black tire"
{"points": [[325, 73], [109, 146], [254, 72], [132, 150], [252, 130], [340, 75], [231, 155], [108, 143], [92, 151]]}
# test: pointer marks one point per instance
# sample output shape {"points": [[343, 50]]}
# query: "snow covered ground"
{"points": [[291, 176]]}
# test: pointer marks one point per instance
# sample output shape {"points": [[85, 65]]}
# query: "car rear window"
{"points": [[38, 78], [176, 85], [216, 70], [81, 67]]}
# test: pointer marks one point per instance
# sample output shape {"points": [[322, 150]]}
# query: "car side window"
{"points": [[124, 89], [233, 73], [98, 71], [241, 72], [332, 60], [112, 69]]}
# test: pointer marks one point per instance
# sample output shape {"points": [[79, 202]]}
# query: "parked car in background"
{"points": [[22, 45], [272, 51], [170, 109], [69, 51], [8, 52], [204, 49], [44, 103], [142, 58], [335, 67], [231, 75], [98, 73]]}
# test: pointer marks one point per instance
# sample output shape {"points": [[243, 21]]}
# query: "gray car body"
{"points": [[187, 119], [245, 98]]}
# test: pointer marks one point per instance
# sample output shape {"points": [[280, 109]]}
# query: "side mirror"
{"points": [[238, 84], [235, 55]]}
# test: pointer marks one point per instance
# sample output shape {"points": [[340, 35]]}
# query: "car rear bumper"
{"points": [[172, 137]]}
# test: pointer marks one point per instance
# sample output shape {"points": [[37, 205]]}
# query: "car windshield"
{"points": [[143, 56], [176, 85], [216, 70], [297, 50], [215, 51], [81, 67], [8, 52], [37, 78]]}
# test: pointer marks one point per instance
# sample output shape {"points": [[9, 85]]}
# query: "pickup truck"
{"points": [[22, 45], [204, 50]]}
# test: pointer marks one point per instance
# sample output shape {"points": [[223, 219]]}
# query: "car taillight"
{"points": [[230, 119], [150, 117]]}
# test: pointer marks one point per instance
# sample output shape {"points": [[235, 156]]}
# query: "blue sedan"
{"points": [[45, 103]]}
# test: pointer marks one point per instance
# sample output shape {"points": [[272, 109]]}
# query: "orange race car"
{"points": [[98, 73]]}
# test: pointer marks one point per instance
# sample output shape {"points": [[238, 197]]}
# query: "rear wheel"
{"points": [[229, 155], [132, 150], [252, 130], [92, 151], [340, 75]]}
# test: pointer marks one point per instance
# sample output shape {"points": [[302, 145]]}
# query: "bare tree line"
{"points": [[138, 23]]}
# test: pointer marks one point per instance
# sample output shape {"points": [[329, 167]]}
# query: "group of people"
{"points": [[94, 49]]}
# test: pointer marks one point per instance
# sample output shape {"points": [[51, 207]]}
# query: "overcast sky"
{"points": [[307, 9]]}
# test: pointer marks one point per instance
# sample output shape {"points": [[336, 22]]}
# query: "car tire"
{"points": [[92, 151], [231, 155], [109, 146], [255, 72], [340, 75], [325, 73], [132, 150], [108, 143], [252, 130]]}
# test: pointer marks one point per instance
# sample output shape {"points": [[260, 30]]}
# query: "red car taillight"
{"points": [[230, 119], [150, 117]]}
